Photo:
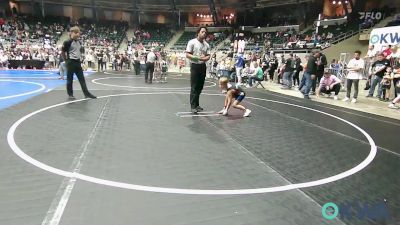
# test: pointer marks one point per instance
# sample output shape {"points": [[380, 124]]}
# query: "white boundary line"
{"points": [[27, 158], [30, 72], [119, 74], [33, 78], [131, 74], [203, 112], [199, 115], [335, 132], [42, 87], [297, 99], [95, 81], [56, 77], [55, 212]]}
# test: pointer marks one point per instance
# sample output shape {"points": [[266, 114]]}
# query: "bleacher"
{"points": [[180, 45], [29, 30], [256, 43], [159, 34], [103, 34]]}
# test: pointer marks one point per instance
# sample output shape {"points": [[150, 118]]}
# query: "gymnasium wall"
{"points": [[77, 12]]}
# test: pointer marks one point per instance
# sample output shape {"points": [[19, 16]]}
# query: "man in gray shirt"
{"points": [[72, 52], [198, 52]]}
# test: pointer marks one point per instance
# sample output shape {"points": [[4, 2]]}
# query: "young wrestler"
{"points": [[234, 96], [164, 70], [386, 84]]}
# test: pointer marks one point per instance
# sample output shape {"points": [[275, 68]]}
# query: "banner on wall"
{"points": [[385, 36], [371, 15]]}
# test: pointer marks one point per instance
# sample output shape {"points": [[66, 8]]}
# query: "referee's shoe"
{"points": [[90, 96]]}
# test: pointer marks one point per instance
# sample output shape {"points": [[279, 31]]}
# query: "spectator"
{"points": [[355, 68], [299, 68], [309, 75], [396, 77], [321, 63], [289, 67], [328, 84], [387, 51], [378, 68], [257, 75], [386, 83]]}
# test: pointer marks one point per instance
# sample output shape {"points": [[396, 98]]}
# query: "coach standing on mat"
{"points": [[72, 51], [198, 51], [150, 61]]}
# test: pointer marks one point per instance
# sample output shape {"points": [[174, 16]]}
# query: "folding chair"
{"points": [[259, 83]]}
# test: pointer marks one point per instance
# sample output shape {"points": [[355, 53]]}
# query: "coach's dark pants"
{"points": [[197, 78], [149, 68], [137, 67], [74, 67]]}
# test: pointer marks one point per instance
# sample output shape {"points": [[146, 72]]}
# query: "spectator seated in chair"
{"points": [[257, 75]]}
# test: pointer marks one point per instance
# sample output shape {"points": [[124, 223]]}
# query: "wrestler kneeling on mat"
{"points": [[234, 96]]}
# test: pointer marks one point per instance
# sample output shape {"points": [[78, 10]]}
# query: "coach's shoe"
{"points": [[194, 111], [247, 113], [71, 98], [199, 109], [90, 96]]}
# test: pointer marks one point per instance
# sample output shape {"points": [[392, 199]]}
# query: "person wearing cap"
{"points": [[150, 60], [378, 69], [198, 52], [308, 75], [72, 51], [329, 83]]}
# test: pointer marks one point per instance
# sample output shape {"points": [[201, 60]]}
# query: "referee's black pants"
{"points": [[197, 78], [149, 68], [74, 66]]}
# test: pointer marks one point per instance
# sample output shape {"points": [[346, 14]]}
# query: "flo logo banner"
{"points": [[372, 15], [385, 36], [357, 210]]}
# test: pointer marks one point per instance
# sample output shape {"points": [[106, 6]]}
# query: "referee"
{"points": [[72, 51], [198, 52]]}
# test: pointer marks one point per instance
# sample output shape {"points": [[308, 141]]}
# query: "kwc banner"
{"points": [[385, 36]]}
